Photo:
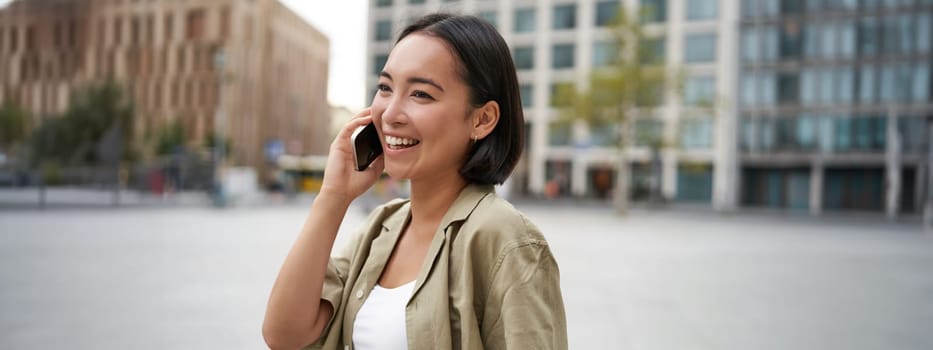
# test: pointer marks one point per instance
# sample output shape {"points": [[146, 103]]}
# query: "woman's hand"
{"points": [[340, 176]]}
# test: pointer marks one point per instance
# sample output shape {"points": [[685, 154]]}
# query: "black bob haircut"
{"points": [[487, 68]]}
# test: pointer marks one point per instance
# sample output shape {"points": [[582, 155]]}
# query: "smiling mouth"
{"points": [[400, 143]]}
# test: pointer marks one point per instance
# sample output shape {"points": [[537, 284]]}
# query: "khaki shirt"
{"points": [[489, 282]]}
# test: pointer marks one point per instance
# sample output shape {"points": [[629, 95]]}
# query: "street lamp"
{"points": [[218, 194]]}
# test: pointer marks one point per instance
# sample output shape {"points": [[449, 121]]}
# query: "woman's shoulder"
{"points": [[496, 221]]}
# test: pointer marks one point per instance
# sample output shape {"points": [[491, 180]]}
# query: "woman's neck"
{"points": [[430, 200]]}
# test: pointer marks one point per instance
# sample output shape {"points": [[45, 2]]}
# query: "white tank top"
{"points": [[380, 323]]}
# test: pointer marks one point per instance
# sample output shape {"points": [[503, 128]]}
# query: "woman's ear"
{"points": [[484, 120]]}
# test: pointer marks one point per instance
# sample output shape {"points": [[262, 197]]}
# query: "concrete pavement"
{"points": [[198, 278]]}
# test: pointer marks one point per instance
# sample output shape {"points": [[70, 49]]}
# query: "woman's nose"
{"points": [[394, 112]]}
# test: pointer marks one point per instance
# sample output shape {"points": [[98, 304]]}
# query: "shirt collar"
{"points": [[460, 210]]}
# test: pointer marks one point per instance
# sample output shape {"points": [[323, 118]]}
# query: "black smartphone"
{"points": [[366, 146]]}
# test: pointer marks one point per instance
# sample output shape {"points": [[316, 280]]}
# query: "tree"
{"points": [[75, 136], [170, 138], [633, 83], [14, 124]]}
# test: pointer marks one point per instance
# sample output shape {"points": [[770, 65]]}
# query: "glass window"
{"points": [[383, 3], [747, 90], [847, 39], [868, 39], [896, 83], [863, 133], [696, 133], [702, 9], [750, 49], [750, 8], [811, 39], [748, 133], [895, 34], [843, 134], [699, 90], [527, 95], [653, 50], [525, 20], [806, 132], [921, 88], [769, 7], [847, 4], [895, 3], [560, 93], [866, 85], [913, 134], [700, 48], [845, 83], [808, 80], [603, 53], [559, 133], [827, 86], [648, 132], [379, 62], [791, 6], [788, 88], [766, 130], [815, 5], [562, 56], [565, 16], [603, 134], [383, 30], [791, 39], [415, 2], [653, 10], [826, 134], [887, 89], [767, 84], [524, 57], [769, 38], [923, 32], [606, 11], [829, 40], [490, 16]]}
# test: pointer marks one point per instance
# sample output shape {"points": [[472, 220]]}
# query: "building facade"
{"points": [[253, 71], [556, 42], [835, 104]]}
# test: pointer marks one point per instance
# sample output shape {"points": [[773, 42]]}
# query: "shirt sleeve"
{"points": [[525, 308], [334, 281]]}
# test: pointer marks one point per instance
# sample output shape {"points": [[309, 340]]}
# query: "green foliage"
{"points": [[634, 82], [74, 137], [170, 138], [210, 141], [14, 124]]}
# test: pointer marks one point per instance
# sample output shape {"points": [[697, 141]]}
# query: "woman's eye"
{"points": [[421, 94], [383, 88]]}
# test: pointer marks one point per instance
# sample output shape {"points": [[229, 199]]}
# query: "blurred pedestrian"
{"points": [[454, 266]]}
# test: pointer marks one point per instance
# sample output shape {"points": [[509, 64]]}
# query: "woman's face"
{"points": [[420, 110]]}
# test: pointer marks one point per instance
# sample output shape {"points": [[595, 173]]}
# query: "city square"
{"points": [[195, 277]]}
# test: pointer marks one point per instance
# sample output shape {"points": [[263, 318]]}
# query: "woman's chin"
{"points": [[397, 173]]}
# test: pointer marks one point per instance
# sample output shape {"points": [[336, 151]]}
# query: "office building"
{"points": [[835, 104], [556, 42], [253, 71]]}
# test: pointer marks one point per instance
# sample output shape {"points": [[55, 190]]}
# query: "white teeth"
{"points": [[398, 141]]}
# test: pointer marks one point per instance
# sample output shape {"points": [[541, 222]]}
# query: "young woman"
{"points": [[454, 266]]}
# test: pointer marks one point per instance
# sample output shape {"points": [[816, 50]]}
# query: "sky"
{"points": [[344, 22]]}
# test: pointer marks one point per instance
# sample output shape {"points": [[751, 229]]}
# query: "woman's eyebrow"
{"points": [[418, 80], [425, 81]]}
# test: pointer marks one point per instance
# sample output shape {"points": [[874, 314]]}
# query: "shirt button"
{"points": [[359, 294]]}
